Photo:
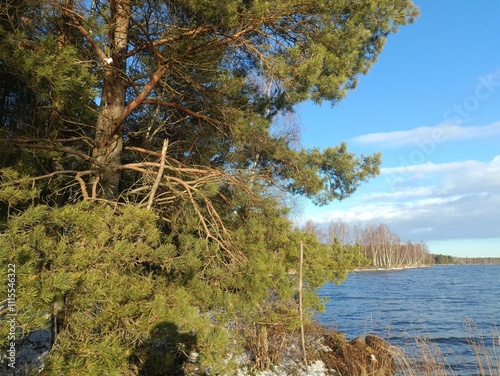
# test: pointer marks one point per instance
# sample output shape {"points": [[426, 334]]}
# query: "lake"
{"points": [[437, 303]]}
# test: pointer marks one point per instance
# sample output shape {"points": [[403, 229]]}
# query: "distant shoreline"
{"points": [[392, 268], [416, 267]]}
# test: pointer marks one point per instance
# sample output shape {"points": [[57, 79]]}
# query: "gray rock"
{"points": [[31, 353]]}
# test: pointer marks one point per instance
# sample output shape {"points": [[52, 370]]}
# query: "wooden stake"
{"points": [[301, 313]]}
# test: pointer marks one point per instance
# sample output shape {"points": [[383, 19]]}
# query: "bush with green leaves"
{"points": [[117, 290]]}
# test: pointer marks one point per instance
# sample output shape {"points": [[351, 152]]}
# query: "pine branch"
{"points": [[162, 41], [182, 108], [25, 144], [139, 99], [77, 174], [84, 32]]}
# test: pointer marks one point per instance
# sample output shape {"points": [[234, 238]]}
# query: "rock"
{"points": [[31, 353], [381, 355], [316, 368]]}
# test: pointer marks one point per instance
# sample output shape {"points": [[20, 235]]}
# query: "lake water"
{"points": [[436, 303]]}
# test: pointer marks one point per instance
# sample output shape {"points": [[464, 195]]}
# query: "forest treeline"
{"points": [[383, 248], [379, 245], [446, 259]]}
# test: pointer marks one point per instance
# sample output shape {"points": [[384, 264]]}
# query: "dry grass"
{"points": [[423, 357], [372, 356], [487, 354]]}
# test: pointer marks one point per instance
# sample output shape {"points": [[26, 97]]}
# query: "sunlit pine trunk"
{"points": [[109, 133]]}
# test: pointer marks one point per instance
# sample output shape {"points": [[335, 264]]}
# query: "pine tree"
{"points": [[208, 77], [142, 168]]}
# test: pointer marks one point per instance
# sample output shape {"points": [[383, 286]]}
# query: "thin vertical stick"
{"points": [[160, 174], [300, 303]]}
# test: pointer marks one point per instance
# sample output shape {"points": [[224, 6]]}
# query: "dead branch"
{"points": [[141, 150], [84, 32], [160, 174], [213, 226], [83, 186], [46, 176]]}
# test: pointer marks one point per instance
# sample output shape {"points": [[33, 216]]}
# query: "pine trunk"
{"points": [[109, 128]]}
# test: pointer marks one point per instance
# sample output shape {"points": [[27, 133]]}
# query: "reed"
{"points": [[486, 349], [370, 355], [423, 357]]}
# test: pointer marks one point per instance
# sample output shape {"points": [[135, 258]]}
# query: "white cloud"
{"points": [[366, 212], [410, 192], [433, 168], [422, 136], [460, 176], [462, 201]]}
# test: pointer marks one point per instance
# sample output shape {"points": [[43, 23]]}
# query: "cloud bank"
{"points": [[461, 201], [437, 134]]}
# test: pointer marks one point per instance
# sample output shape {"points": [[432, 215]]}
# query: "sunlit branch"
{"points": [[181, 108], [84, 32]]}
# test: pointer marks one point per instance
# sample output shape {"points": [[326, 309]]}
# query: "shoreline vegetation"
{"points": [[422, 357], [391, 268], [278, 352], [451, 260], [331, 353]]}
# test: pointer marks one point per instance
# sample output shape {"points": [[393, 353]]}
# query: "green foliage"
{"points": [[15, 190], [54, 73], [332, 174], [334, 262], [232, 68], [88, 98], [104, 276], [122, 293], [444, 259]]}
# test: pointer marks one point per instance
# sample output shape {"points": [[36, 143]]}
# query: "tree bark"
{"points": [[109, 128]]}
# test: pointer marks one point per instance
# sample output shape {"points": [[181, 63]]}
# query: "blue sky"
{"points": [[431, 105]]}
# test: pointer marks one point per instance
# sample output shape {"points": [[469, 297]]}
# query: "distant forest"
{"points": [[383, 248], [446, 259]]}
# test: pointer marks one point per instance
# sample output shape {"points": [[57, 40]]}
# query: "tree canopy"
{"points": [[144, 135], [100, 86]]}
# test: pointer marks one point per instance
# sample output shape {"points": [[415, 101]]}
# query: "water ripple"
{"points": [[448, 305]]}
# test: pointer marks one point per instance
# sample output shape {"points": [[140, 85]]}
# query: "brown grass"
{"points": [[372, 356], [487, 356], [420, 357], [424, 358]]}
